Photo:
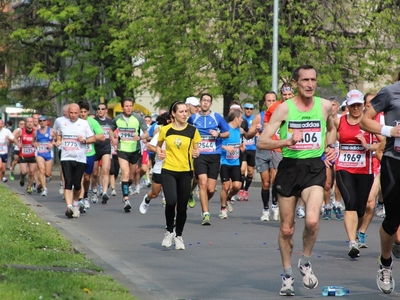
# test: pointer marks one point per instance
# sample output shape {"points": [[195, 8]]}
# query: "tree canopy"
{"points": [[90, 49]]}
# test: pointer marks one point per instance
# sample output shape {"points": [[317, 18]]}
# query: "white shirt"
{"points": [[4, 133], [159, 162], [71, 148]]}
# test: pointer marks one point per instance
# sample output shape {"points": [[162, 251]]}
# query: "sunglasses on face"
{"points": [[42, 120], [246, 108], [101, 108]]}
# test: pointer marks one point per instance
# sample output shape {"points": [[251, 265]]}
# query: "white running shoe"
{"points": [[130, 190], [310, 281], [144, 206], [287, 286], [44, 193], [93, 196], [223, 214], [229, 206], [385, 280], [300, 213], [265, 215], [75, 212], [179, 245], [127, 205], [86, 204], [380, 210], [113, 192], [275, 212], [61, 189], [136, 190], [167, 241]]}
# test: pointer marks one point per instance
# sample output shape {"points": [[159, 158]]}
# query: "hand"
{"points": [[259, 127], [297, 136], [230, 149], [242, 131], [161, 155], [57, 143], [214, 133], [361, 138], [395, 131], [195, 153], [330, 156], [81, 139]]}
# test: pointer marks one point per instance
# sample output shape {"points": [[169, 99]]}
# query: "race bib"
{"points": [[3, 147], [42, 147], [235, 154], [70, 143], [248, 142], [89, 148], [207, 144], [106, 130], [27, 149], [311, 139], [352, 156], [127, 134]]}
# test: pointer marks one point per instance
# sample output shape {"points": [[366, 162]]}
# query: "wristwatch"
{"points": [[330, 146]]}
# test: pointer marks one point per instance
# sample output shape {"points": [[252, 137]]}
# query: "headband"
{"points": [[235, 106], [287, 89]]}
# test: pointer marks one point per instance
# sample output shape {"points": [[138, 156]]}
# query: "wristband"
{"points": [[330, 146], [385, 130]]}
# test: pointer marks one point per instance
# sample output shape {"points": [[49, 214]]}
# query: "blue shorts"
{"points": [[4, 157], [89, 164], [45, 156]]}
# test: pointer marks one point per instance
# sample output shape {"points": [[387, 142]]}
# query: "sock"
{"points": [[146, 200], [338, 204], [386, 262], [265, 198], [206, 213], [328, 206], [125, 188], [223, 207], [75, 203], [248, 182], [304, 260], [85, 194], [274, 196], [288, 271]]}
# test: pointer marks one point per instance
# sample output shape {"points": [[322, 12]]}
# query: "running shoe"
{"points": [[164, 202], [287, 288], [61, 189], [246, 196], [196, 193], [309, 279], [127, 205], [327, 214], [360, 238], [337, 210], [93, 196], [136, 190], [229, 206], [233, 200], [75, 212], [380, 210], [44, 193], [144, 206], [29, 190], [223, 214], [86, 204], [384, 279], [113, 192], [265, 215], [354, 251], [34, 187], [179, 245], [12, 176], [81, 206], [191, 201], [69, 212], [240, 195], [167, 241], [300, 213], [275, 212], [22, 180], [48, 179], [4, 179], [105, 198], [206, 219], [130, 190], [396, 250]]}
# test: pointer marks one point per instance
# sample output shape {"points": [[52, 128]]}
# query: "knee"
{"points": [[312, 225], [286, 231], [390, 226]]}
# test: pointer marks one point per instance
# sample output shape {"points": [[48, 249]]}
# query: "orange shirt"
{"points": [[267, 117]]}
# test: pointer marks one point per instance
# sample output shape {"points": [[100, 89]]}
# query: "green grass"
{"points": [[27, 240]]}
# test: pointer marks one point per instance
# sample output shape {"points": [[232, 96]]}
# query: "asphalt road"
{"points": [[237, 258]]}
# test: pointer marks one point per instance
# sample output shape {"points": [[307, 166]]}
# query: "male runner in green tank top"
{"points": [[306, 131]]}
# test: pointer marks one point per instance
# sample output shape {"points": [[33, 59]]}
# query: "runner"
{"points": [[127, 144], [302, 122], [56, 126], [230, 163], [181, 144], [6, 138], [27, 159], [44, 138], [74, 135], [354, 175], [21, 124], [212, 128]]}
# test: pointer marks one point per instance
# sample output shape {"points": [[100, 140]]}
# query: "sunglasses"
{"points": [[42, 120], [246, 108], [101, 109]]}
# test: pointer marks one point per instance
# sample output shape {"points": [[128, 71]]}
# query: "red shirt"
{"points": [[27, 150]]}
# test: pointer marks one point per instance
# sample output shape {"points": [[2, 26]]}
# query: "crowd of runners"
{"points": [[312, 155]]}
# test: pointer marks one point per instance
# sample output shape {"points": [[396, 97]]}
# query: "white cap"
{"points": [[354, 96], [193, 101]]}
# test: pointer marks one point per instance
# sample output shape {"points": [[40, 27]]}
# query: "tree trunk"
{"points": [[228, 98]]}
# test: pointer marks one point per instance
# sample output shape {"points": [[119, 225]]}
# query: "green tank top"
{"points": [[313, 125]]}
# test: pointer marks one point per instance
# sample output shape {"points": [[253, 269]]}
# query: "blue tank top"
{"points": [[43, 139], [250, 143], [229, 158]]}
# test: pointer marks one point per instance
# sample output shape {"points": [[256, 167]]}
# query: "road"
{"points": [[237, 258]]}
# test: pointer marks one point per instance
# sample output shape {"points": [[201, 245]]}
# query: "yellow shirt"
{"points": [[178, 147]]}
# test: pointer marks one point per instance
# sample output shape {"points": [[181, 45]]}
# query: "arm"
{"points": [[379, 151], [254, 128]]}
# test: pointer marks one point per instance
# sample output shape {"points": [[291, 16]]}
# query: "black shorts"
{"points": [[99, 155], [207, 164], [230, 173], [28, 160], [16, 152], [156, 178], [295, 175], [131, 157], [249, 156]]}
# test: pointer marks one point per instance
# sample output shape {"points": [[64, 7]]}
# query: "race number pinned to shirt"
{"points": [[207, 144], [70, 143], [352, 156], [127, 134], [3, 148], [42, 147], [235, 153], [27, 149], [312, 137]]}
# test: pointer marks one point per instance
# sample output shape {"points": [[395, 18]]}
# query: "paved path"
{"points": [[237, 258]]}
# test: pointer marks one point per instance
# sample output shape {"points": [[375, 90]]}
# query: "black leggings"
{"points": [[354, 189], [73, 172], [177, 188]]}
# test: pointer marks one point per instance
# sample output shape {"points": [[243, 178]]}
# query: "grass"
{"points": [[29, 241]]}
